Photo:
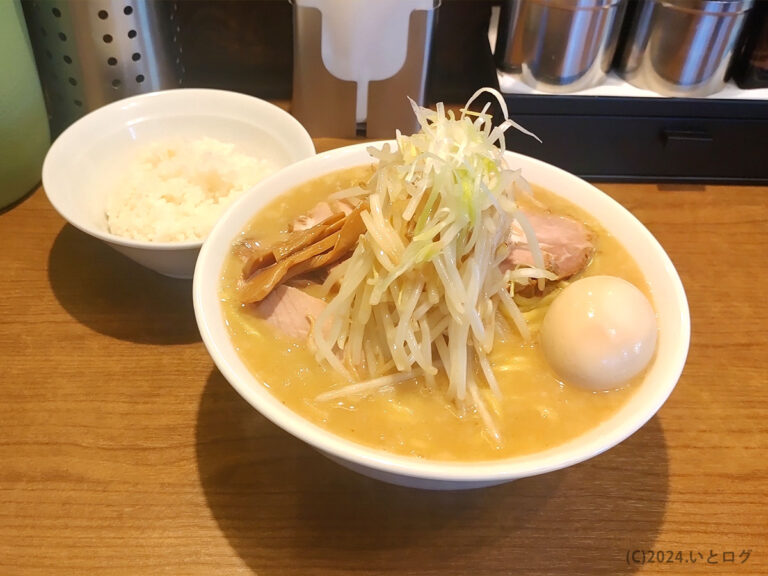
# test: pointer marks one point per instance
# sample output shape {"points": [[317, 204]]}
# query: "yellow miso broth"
{"points": [[537, 411]]}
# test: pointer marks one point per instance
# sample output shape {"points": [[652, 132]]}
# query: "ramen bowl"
{"points": [[90, 158], [657, 383]]}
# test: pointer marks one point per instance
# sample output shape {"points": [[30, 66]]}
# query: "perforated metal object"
{"points": [[92, 52]]}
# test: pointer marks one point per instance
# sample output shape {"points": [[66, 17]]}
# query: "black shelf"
{"points": [[646, 139]]}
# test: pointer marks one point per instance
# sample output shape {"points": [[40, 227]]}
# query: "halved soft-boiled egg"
{"points": [[599, 333]]}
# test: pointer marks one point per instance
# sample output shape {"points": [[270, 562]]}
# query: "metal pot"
{"points": [[559, 45], [682, 47]]}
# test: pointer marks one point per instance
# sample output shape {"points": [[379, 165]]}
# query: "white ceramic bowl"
{"points": [[668, 294], [88, 159]]}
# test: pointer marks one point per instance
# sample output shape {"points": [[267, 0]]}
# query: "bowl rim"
{"points": [[59, 147], [467, 472]]}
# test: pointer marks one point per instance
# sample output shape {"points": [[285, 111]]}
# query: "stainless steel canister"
{"points": [[92, 52], [559, 45], [682, 47]]}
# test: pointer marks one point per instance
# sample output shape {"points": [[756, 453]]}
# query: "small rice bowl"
{"points": [[176, 191]]}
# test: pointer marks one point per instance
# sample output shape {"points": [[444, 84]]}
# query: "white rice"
{"points": [[176, 191]]}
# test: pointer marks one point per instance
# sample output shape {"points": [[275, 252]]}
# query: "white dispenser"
{"points": [[355, 61]]}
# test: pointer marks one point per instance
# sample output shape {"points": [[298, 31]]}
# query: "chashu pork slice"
{"points": [[565, 243], [290, 310]]}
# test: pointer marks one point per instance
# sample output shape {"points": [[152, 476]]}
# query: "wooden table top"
{"points": [[124, 451]]}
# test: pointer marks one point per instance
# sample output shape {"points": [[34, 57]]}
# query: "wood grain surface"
{"points": [[124, 451]]}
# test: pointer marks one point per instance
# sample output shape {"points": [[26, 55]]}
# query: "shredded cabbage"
{"points": [[423, 288]]}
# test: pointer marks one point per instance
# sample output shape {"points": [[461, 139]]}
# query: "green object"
{"points": [[24, 133]]}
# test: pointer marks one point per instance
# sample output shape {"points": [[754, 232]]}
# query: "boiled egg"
{"points": [[599, 332]]}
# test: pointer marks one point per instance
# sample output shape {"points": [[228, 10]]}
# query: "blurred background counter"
{"points": [[636, 90]]}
